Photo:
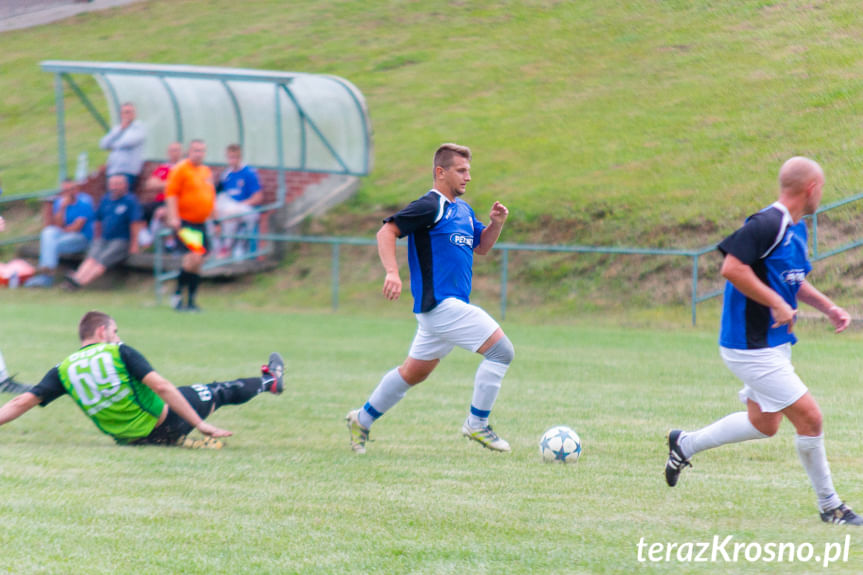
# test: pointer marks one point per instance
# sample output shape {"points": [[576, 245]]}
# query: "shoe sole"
{"points": [[276, 358], [202, 443], [467, 435], [672, 482], [355, 447]]}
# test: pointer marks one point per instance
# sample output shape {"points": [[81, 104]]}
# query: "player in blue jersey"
{"points": [[443, 234], [239, 193], [766, 265]]}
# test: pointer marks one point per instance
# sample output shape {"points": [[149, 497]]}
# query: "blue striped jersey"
{"points": [[776, 250], [441, 238]]}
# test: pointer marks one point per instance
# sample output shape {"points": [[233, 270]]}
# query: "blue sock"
{"points": [[485, 389], [388, 393]]}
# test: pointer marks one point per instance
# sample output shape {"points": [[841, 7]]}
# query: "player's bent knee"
{"points": [[501, 352], [415, 371], [767, 424], [811, 424]]}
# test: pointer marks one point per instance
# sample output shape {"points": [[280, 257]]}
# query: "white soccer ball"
{"points": [[560, 444]]}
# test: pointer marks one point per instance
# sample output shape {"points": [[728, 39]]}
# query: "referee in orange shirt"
{"points": [[190, 197]]}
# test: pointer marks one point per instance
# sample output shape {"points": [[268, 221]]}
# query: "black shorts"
{"points": [[202, 228], [149, 208], [200, 397]]}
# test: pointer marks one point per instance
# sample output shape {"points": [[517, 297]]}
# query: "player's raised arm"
{"points": [[490, 235]]}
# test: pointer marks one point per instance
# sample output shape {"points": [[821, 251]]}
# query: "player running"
{"points": [[766, 264], [116, 388], [443, 234]]}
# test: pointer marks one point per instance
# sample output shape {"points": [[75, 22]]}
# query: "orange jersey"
{"points": [[193, 188]]}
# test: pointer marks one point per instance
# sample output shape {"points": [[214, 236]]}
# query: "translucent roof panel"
{"points": [[319, 122]]}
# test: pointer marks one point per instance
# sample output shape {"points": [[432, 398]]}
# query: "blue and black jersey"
{"points": [[441, 239], [776, 250]]}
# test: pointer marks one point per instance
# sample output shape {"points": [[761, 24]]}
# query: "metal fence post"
{"points": [[815, 235], [335, 269], [694, 286], [157, 268], [504, 273], [61, 127]]}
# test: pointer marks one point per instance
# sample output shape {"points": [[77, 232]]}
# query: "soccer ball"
{"points": [[560, 444]]}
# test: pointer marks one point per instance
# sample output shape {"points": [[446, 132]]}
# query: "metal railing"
{"points": [[161, 275], [336, 242], [505, 248], [41, 194], [818, 255]]}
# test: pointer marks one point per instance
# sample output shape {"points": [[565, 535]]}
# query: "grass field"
{"points": [[619, 123], [286, 495]]}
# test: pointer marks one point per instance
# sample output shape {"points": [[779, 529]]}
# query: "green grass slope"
{"points": [[626, 122]]}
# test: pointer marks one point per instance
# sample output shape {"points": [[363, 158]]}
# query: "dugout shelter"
{"points": [[284, 121], [308, 135]]}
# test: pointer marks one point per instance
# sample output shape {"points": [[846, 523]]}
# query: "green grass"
{"points": [[286, 495], [623, 122], [628, 123]]}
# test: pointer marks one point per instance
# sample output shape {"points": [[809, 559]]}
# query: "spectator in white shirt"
{"points": [[126, 142]]}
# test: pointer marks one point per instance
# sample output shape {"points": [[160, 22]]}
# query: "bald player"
{"points": [[766, 264]]}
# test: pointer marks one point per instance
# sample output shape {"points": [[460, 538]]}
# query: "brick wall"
{"points": [[296, 183]]}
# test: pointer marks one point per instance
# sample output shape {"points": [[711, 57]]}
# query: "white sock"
{"points": [[3, 373], [388, 393], [732, 428], [813, 456], [486, 386]]}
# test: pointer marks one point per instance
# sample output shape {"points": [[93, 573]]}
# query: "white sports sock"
{"points": [[388, 393], [486, 386], [813, 456], [3, 373], [732, 428]]}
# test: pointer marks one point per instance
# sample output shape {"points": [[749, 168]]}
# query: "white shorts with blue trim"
{"points": [[451, 323], [768, 377]]}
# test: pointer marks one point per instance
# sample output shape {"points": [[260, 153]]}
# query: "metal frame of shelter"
{"points": [[284, 121], [186, 88]]}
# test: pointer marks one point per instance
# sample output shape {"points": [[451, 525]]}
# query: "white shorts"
{"points": [[228, 206], [452, 323], [768, 377]]}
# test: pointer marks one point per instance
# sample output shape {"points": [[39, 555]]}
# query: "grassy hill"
{"points": [[627, 123], [616, 118]]}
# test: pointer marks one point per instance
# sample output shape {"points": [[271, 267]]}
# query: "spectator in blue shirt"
{"points": [[68, 230], [239, 191], [118, 221]]}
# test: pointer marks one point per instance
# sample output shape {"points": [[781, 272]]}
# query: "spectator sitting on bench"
{"points": [[68, 230], [239, 191], [118, 221]]}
